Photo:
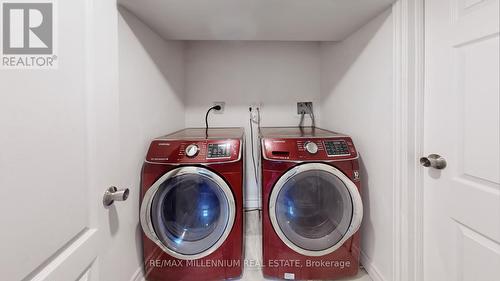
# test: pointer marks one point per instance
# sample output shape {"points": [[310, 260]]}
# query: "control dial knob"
{"points": [[192, 150], [311, 147]]}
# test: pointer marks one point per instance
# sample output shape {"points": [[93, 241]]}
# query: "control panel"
{"points": [[309, 149], [194, 151]]}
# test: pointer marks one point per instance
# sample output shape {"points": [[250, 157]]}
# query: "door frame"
{"points": [[408, 113]]}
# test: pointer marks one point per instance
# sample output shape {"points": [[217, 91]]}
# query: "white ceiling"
{"points": [[285, 20]]}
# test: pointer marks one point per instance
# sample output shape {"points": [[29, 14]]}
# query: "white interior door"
{"points": [[59, 152], [462, 201]]}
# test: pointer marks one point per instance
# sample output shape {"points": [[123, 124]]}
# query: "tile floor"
{"points": [[253, 242]]}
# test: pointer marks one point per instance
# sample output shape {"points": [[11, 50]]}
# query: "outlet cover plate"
{"points": [[305, 107], [222, 105]]}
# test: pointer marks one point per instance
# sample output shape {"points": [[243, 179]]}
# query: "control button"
{"points": [[311, 147], [192, 150]]}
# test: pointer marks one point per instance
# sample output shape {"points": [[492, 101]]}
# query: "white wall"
{"points": [[274, 74], [356, 99], [151, 83]]}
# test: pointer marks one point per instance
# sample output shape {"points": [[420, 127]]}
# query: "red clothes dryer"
{"points": [[312, 207], [192, 205]]}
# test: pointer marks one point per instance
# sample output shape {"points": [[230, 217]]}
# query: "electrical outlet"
{"points": [[255, 109], [255, 116], [222, 106], [304, 107]]}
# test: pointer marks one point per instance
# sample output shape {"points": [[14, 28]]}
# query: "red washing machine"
{"points": [[312, 207], [192, 205]]}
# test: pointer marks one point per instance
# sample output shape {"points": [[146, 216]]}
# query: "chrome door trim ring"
{"points": [[357, 212], [145, 212]]}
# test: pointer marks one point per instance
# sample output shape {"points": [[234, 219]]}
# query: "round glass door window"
{"points": [[313, 208], [191, 212]]}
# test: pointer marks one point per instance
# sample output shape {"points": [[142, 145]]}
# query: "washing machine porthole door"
{"points": [[315, 208], [188, 212]]}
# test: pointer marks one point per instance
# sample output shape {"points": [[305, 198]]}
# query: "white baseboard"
{"points": [[372, 270], [138, 275]]}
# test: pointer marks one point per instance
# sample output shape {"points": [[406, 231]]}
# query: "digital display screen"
{"points": [[219, 150], [334, 148]]}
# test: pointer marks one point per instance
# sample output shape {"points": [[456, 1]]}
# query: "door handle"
{"points": [[435, 161], [113, 194]]}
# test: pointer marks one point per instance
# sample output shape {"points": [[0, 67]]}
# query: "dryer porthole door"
{"points": [[314, 208], [188, 212]]}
